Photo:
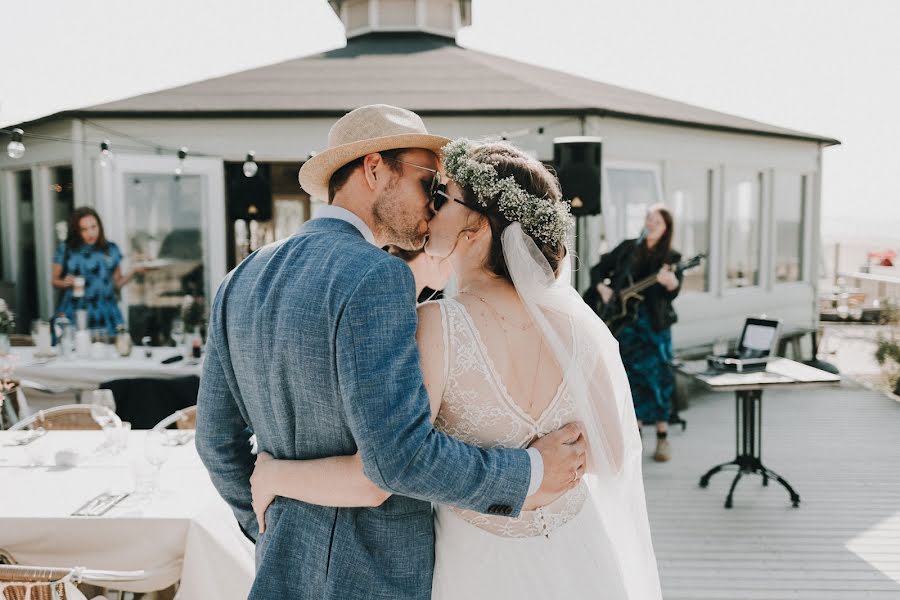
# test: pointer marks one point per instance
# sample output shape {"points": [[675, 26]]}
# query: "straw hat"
{"points": [[367, 129]]}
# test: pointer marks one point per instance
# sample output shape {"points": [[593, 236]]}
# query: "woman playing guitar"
{"points": [[645, 338]]}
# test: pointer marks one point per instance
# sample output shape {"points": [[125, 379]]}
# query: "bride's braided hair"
{"points": [[535, 179]]}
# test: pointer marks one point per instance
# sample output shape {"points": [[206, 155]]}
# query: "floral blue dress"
{"points": [[97, 267]]}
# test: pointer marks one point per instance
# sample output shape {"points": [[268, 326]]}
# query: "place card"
{"points": [[99, 505]]}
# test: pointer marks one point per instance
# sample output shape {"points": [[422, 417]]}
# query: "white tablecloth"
{"points": [[86, 373], [185, 531]]}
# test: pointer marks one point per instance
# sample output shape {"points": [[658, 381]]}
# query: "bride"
{"points": [[514, 356]]}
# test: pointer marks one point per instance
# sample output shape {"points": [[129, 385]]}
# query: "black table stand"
{"points": [[748, 446]]}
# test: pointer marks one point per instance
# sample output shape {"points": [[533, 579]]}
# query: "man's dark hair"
{"points": [[340, 177]]}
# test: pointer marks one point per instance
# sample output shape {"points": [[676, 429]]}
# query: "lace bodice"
{"points": [[476, 408]]}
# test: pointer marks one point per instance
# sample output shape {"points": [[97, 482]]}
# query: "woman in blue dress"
{"points": [[646, 344], [87, 256]]}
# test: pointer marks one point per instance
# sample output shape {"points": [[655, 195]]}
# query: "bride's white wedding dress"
{"points": [[594, 541], [559, 551]]}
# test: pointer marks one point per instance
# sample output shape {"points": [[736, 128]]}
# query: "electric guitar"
{"points": [[622, 307]]}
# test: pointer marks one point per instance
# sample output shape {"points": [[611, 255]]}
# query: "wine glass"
{"points": [[156, 450], [103, 407]]}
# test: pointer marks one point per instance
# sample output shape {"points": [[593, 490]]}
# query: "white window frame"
{"points": [[713, 255], [764, 234], [616, 231], [805, 229]]}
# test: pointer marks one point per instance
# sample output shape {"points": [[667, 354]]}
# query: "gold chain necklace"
{"points": [[519, 326], [523, 328]]}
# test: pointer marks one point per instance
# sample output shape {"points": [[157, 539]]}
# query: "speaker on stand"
{"points": [[578, 161]]}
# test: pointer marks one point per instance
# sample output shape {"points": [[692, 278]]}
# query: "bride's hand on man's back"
{"points": [[259, 488], [564, 453]]}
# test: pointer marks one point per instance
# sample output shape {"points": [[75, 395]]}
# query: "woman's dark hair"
{"points": [[406, 255], [535, 179], [654, 258], [74, 239]]}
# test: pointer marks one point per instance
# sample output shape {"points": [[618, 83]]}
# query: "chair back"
{"points": [[185, 418], [188, 418], [19, 582], [71, 417]]}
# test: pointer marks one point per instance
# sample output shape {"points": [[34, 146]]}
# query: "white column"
{"points": [[44, 236]]}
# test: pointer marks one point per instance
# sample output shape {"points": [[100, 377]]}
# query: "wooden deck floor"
{"points": [[838, 447]]}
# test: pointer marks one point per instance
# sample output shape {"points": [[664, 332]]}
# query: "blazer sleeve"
{"points": [[223, 434], [388, 410]]}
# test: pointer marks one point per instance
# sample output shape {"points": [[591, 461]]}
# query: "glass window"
{"points": [[741, 235], [26, 278], [63, 203], [632, 192], [790, 191], [690, 192], [165, 229]]}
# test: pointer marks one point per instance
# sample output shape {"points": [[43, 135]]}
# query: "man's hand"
{"points": [[564, 453]]}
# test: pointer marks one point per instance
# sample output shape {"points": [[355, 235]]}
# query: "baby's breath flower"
{"points": [[541, 218]]}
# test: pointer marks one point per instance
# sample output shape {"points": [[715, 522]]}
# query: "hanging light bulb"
{"points": [[540, 135], [250, 166], [105, 155], [182, 154], [16, 149]]}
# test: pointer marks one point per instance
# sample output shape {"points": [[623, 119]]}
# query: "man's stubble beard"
{"points": [[393, 221]]}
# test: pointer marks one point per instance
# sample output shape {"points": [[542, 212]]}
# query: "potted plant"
{"points": [[7, 326]]}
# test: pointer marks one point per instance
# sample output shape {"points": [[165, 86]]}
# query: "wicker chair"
{"points": [[185, 418], [69, 417], [17, 574], [33, 577], [188, 418], [20, 340]]}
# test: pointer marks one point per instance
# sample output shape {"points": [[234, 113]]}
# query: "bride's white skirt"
{"points": [[574, 562]]}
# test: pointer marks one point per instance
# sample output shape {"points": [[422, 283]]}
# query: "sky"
{"points": [[829, 67]]}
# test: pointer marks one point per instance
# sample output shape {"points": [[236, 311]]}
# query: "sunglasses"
{"points": [[431, 187], [435, 189]]}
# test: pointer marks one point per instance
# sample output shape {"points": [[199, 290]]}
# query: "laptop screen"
{"points": [[758, 338]]}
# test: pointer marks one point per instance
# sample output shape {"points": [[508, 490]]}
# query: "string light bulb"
{"points": [[182, 154], [105, 155], [250, 166], [16, 149], [540, 134]]}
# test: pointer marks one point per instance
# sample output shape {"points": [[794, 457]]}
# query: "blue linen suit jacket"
{"points": [[312, 348]]}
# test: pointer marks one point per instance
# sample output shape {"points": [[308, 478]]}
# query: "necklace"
{"points": [[530, 408], [519, 326]]}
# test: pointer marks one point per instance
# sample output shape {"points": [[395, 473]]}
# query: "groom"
{"points": [[312, 348]]}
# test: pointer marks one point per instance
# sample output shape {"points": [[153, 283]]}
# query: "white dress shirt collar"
{"points": [[331, 211]]}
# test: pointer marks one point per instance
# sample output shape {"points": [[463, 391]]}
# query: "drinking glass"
{"points": [[103, 407], [156, 449], [178, 332]]}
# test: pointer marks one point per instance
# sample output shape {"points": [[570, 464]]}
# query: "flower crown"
{"points": [[541, 218]]}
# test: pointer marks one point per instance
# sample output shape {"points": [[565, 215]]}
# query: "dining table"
{"points": [[103, 364], [181, 531]]}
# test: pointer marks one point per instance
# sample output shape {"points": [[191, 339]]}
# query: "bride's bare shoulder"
{"points": [[429, 320]]}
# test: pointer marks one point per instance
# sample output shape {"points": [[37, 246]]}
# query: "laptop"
{"points": [[756, 347]]}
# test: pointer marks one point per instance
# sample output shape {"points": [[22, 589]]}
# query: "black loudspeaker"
{"points": [[577, 161], [249, 198]]}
